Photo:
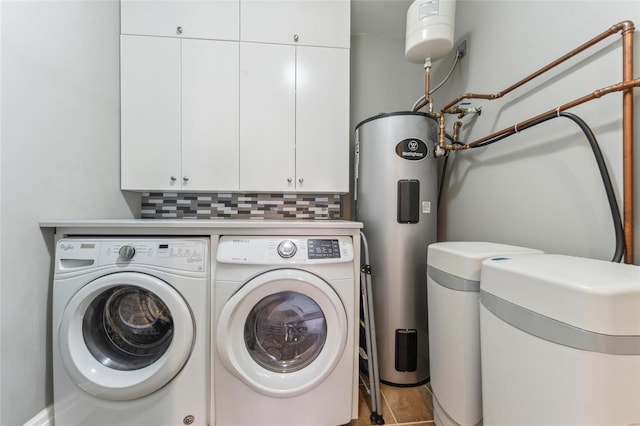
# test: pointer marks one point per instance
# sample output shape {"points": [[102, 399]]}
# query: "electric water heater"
{"points": [[396, 196]]}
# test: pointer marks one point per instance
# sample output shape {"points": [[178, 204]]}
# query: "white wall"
{"points": [[540, 188], [60, 159], [382, 81]]}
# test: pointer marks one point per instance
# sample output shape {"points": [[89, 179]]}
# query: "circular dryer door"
{"points": [[125, 335], [283, 332]]}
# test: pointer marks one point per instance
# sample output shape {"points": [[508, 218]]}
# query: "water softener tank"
{"points": [[396, 196]]}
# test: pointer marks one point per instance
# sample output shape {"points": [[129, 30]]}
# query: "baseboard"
{"points": [[43, 418]]}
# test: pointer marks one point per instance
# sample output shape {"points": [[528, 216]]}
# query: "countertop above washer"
{"points": [[67, 227]]}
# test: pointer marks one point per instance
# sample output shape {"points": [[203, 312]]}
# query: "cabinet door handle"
{"points": [[173, 179], [179, 30], [295, 37], [186, 179], [289, 180], [300, 180]]}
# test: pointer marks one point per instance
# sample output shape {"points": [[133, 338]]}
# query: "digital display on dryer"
{"points": [[323, 249]]}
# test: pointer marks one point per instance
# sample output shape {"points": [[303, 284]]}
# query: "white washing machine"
{"points": [[130, 332], [284, 331]]}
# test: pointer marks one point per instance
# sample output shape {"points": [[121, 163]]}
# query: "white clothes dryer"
{"points": [[130, 332], [284, 349]]}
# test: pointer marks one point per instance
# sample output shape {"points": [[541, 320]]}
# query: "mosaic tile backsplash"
{"points": [[179, 205]]}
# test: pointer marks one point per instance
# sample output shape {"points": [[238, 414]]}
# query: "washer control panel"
{"points": [[178, 254], [285, 250]]}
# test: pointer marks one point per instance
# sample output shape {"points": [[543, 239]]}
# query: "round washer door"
{"points": [[125, 335], [282, 333]]}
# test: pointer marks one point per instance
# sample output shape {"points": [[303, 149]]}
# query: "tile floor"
{"points": [[400, 406]]}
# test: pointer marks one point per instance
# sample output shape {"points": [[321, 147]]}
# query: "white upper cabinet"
{"points": [[300, 22], [150, 113], [179, 108], [322, 119], [210, 120], [206, 19], [294, 118], [267, 117], [235, 95]]}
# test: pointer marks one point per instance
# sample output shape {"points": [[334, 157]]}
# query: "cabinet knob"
{"points": [[289, 180], [185, 178], [300, 180], [173, 178], [179, 30], [295, 37]]}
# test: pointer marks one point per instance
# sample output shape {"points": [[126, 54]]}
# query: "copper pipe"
{"points": [[627, 150], [448, 108], [456, 132], [627, 142], [597, 94], [455, 147], [443, 134], [450, 137], [427, 85], [427, 88], [625, 26], [420, 105]]}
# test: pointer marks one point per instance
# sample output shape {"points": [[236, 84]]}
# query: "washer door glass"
{"points": [[127, 328], [285, 331], [125, 335]]}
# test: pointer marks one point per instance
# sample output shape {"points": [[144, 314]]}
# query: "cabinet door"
{"points": [[210, 115], [267, 117], [303, 22], [208, 19], [150, 112], [322, 119]]}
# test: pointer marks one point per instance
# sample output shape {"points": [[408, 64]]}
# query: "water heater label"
{"points": [[411, 149], [429, 8]]}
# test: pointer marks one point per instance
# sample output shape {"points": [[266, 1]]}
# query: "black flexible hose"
{"points": [[443, 174], [606, 180], [602, 168]]}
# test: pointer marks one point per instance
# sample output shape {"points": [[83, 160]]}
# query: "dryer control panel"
{"points": [[270, 250], [323, 249]]}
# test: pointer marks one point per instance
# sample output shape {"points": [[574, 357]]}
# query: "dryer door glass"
{"points": [[127, 328], [285, 331]]}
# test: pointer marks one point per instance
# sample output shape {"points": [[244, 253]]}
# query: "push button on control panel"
{"points": [[287, 249]]}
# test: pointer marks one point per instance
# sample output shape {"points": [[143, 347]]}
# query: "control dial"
{"points": [[287, 249], [127, 252]]}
